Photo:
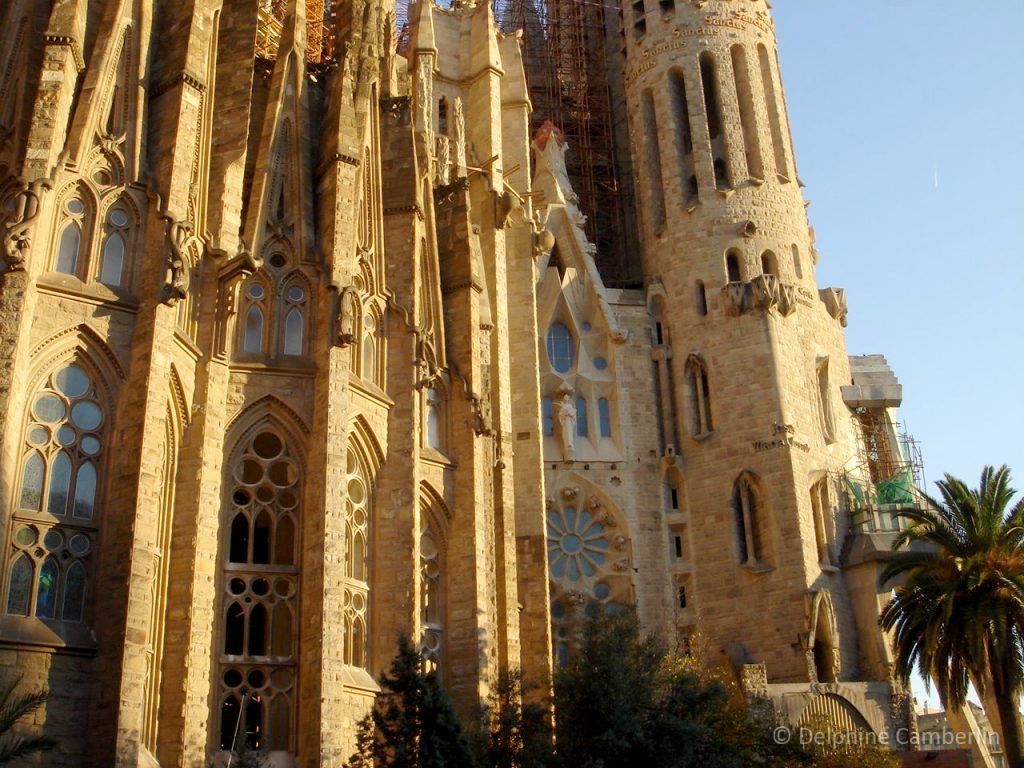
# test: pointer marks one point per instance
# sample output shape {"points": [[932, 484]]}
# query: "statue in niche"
{"points": [[458, 127], [567, 424], [176, 271], [21, 209], [346, 327]]}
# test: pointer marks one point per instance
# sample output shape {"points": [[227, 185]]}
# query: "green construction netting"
{"points": [[898, 489]]}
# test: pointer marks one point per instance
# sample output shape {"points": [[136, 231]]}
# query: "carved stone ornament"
{"points": [[176, 271], [570, 492], [394, 106], [424, 92], [19, 213], [575, 597], [346, 323], [621, 565], [458, 131], [734, 295], [765, 291], [621, 542], [835, 303], [593, 504], [442, 160], [787, 299]]}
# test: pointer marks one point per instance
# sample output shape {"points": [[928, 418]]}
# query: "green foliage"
{"points": [[14, 707], [623, 701], [958, 616], [413, 724], [519, 734]]}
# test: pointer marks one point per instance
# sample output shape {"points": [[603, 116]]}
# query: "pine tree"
{"points": [[519, 733], [413, 724]]}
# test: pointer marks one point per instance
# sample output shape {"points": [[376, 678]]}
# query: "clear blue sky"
{"points": [[908, 121]]}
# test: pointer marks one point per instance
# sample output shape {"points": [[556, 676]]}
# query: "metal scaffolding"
{"points": [[569, 47], [319, 34]]}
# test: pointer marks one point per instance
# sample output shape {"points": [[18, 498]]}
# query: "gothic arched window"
{"points": [[431, 592], [357, 565], [294, 318], [260, 598], [561, 348], [746, 507], [434, 403], [54, 520], [254, 322], [69, 241], [369, 348], [114, 247], [699, 395]]}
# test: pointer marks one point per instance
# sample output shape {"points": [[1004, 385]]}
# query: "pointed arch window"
{"points": [[254, 322], [699, 395], [746, 508], [561, 348], [53, 524], [822, 389], [369, 348], [432, 573], [69, 248], [357, 564], [258, 642], [821, 510], [294, 319], [68, 258], [114, 247], [435, 418]]}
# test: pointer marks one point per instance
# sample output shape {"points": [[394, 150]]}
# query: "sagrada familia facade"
{"points": [[299, 352]]}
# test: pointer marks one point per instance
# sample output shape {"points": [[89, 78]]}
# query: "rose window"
{"points": [[577, 544]]}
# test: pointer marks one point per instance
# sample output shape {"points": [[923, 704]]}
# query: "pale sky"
{"points": [[908, 123]]}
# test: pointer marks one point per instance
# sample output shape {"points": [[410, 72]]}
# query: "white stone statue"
{"points": [[567, 423]]}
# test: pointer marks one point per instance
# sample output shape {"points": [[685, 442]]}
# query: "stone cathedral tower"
{"points": [[761, 420]]}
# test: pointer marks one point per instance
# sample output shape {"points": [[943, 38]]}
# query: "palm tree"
{"points": [[958, 615], [13, 707]]}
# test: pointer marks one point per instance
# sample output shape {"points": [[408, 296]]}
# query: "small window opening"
{"points": [[678, 541], [798, 266], [748, 122], [682, 595], [652, 152], [674, 498], [701, 298], [659, 334], [604, 417], [442, 116], [769, 265], [732, 267]]}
